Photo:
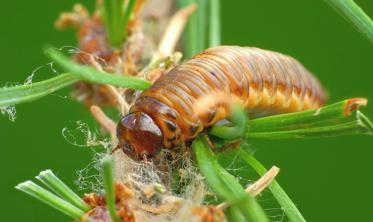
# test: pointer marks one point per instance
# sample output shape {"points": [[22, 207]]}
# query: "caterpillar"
{"points": [[164, 115]]}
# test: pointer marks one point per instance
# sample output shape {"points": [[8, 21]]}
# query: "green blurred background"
{"points": [[328, 179]]}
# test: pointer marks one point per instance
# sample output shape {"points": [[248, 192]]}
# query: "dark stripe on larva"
{"points": [[263, 80]]}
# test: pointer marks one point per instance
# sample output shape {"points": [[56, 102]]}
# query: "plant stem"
{"points": [[48, 178], [214, 24], [107, 165], [282, 198], [355, 15], [49, 198], [224, 184]]}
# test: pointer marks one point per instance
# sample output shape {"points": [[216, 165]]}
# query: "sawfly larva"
{"points": [[165, 116]]}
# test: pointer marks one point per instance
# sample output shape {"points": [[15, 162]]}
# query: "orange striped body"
{"points": [[264, 81]]}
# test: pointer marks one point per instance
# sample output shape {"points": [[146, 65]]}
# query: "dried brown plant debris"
{"points": [[99, 211], [210, 214]]}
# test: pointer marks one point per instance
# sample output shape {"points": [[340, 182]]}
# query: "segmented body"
{"points": [[264, 81]]}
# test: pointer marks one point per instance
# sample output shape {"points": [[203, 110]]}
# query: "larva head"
{"points": [[139, 137]]}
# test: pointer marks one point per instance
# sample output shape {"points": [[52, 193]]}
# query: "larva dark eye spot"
{"points": [[193, 129], [128, 148], [171, 126]]}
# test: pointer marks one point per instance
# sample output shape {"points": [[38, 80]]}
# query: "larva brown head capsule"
{"points": [[139, 137]]}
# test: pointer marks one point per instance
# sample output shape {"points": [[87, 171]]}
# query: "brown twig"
{"points": [[173, 31], [112, 92], [72, 19], [354, 104], [263, 182], [259, 185], [169, 40], [106, 123]]}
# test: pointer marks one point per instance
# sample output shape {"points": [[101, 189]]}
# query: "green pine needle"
{"points": [[126, 16], [190, 35], [202, 20], [203, 29], [116, 17], [51, 199], [30, 92], [91, 74], [341, 118], [224, 184], [49, 179], [355, 15], [279, 194], [107, 166], [336, 119], [214, 23]]}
